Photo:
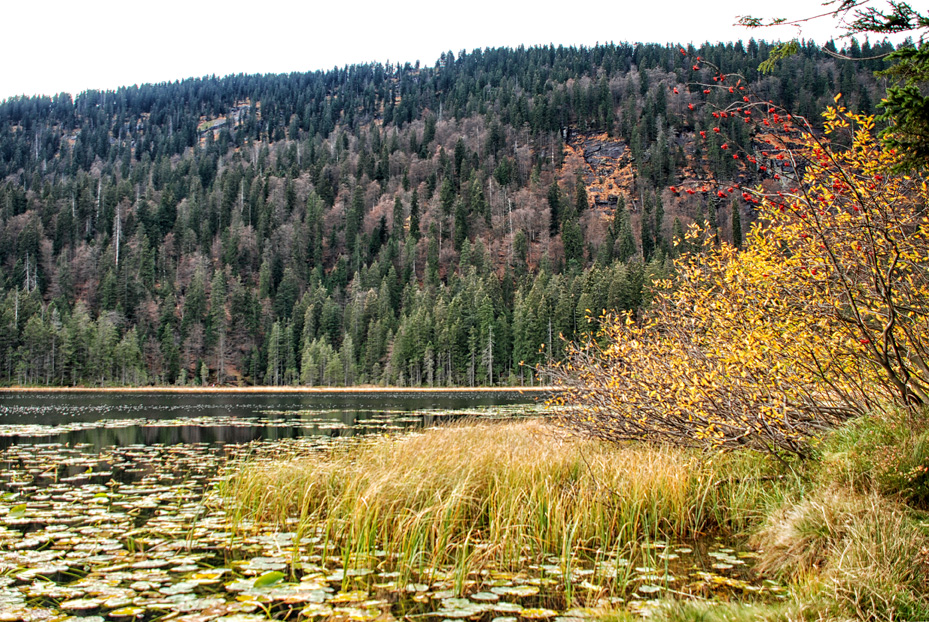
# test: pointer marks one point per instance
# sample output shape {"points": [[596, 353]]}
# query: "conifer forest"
{"points": [[445, 225]]}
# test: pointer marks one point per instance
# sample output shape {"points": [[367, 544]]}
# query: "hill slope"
{"points": [[371, 224]]}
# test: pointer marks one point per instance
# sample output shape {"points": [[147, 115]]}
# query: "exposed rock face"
{"points": [[607, 166]]}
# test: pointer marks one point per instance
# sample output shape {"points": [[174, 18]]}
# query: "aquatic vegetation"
{"points": [[137, 532], [505, 497]]}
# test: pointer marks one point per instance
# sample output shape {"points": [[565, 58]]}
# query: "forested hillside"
{"points": [[398, 225]]}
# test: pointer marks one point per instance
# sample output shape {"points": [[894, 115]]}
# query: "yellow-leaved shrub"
{"points": [[823, 315]]}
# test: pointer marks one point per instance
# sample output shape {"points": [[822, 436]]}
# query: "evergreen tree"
{"points": [[580, 196], [647, 229], [414, 215], [736, 226], [625, 242], [398, 222], [573, 241]]}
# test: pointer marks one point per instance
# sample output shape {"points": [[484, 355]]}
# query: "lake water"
{"points": [[121, 419]]}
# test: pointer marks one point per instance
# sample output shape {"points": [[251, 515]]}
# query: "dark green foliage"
{"points": [[736, 226]]}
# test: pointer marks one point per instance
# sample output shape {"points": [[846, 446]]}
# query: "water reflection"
{"points": [[101, 420]]}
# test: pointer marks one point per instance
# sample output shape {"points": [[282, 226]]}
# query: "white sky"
{"points": [[74, 45]]}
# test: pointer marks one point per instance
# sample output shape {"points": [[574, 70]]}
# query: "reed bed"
{"points": [[498, 495]]}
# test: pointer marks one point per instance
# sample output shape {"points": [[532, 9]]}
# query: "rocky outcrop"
{"points": [[607, 166]]}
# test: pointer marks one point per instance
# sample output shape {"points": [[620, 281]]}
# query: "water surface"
{"points": [[127, 418]]}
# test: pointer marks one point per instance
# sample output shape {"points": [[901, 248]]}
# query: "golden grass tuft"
{"points": [[495, 493], [863, 553]]}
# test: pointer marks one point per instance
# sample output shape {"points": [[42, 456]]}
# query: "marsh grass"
{"points": [[500, 495], [855, 543], [887, 454], [856, 554], [848, 531]]}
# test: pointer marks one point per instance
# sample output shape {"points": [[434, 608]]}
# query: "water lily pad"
{"points": [[127, 612], [582, 612], [516, 590], [356, 614], [355, 596], [197, 604], [417, 587], [182, 587], [537, 614], [316, 610], [505, 607], [268, 579], [81, 605], [17, 511], [455, 614]]}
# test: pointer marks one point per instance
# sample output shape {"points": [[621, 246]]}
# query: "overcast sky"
{"points": [[74, 45]]}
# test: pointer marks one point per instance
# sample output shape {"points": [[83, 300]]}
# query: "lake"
{"points": [[103, 419]]}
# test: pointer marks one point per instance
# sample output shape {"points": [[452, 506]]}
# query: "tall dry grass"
{"points": [[476, 493], [859, 554]]}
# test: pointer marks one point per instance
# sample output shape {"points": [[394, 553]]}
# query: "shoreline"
{"points": [[287, 389]]}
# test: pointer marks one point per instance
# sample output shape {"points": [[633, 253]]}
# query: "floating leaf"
{"points": [[356, 596], [269, 578], [505, 607], [81, 604], [517, 590], [317, 610], [127, 612]]}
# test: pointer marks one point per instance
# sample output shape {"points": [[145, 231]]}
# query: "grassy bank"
{"points": [[852, 540], [844, 531]]}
